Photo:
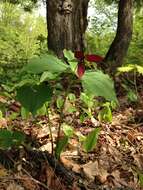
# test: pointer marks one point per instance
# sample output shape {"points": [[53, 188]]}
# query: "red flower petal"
{"points": [[80, 70], [79, 54], [94, 58]]}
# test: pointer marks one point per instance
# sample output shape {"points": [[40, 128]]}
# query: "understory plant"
{"points": [[59, 82], [136, 70]]}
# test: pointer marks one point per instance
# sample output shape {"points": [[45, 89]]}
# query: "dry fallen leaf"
{"points": [[14, 186], [93, 169]]}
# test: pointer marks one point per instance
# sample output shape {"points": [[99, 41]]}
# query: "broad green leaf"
{"points": [[99, 84], [60, 146], [24, 113], [71, 59], [8, 138], [5, 139], [17, 138], [69, 55], [68, 130], [91, 140], [45, 63], [33, 97], [42, 110]]}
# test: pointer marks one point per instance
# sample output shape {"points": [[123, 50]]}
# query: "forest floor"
{"points": [[116, 162]]}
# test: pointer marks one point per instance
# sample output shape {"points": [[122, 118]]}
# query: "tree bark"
{"points": [[66, 23], [119, 47]]}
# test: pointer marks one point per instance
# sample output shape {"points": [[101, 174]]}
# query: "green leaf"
{"points": [[5, 139], [45, 63], [80, 136], [17, 138], [71, 59], [68, 130], [24, 113], [132, 96], [42, 110], [71, 97], [105, 114], [91, 140], [60, 102], [127, 68], [69, 55], [60, 146], [1, 115], [139, 69], [88, 101], [47, 75], [99, 84], [8, 138], [141, 179], [33, 97]]}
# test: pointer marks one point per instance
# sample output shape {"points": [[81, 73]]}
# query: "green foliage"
{"points": [[141, 179], [106, 113], [60, 146], [9, 139], [1, 115], [19, 39], [33, 97], [62, 143], [132, 96], [48, 63], [91, 140], [99, 84], [131, 68], [68, 130]]}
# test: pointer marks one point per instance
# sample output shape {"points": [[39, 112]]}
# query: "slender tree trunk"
{"points": [[67, 22], [119, 47]]}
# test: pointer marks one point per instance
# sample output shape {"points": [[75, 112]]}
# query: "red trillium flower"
{"points": [[80, 70], [94, 58], [89, 57], [79, 55]]}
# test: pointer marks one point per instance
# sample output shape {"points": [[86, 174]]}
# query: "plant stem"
{"points": [[135, 83], [61, 119], [50, 130]]}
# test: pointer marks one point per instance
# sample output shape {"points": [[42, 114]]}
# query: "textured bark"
{"points": [[67, 22], [119, 47]]}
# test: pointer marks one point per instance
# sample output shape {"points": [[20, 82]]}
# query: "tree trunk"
{"points": [[119, 47], [67, 22]]}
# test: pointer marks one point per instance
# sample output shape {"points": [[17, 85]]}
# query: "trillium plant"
{"points": [[57, 81], [81, 57]]}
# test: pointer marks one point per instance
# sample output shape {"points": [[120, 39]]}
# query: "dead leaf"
{"points": [[92, 169]]}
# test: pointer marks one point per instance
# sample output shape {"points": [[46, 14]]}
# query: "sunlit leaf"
{"points": [[69, 55], [68, 130], [98, 84], [126, 68], [45, 63]]}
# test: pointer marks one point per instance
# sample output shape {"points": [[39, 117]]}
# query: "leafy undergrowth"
{"points": [[115, 163]]}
